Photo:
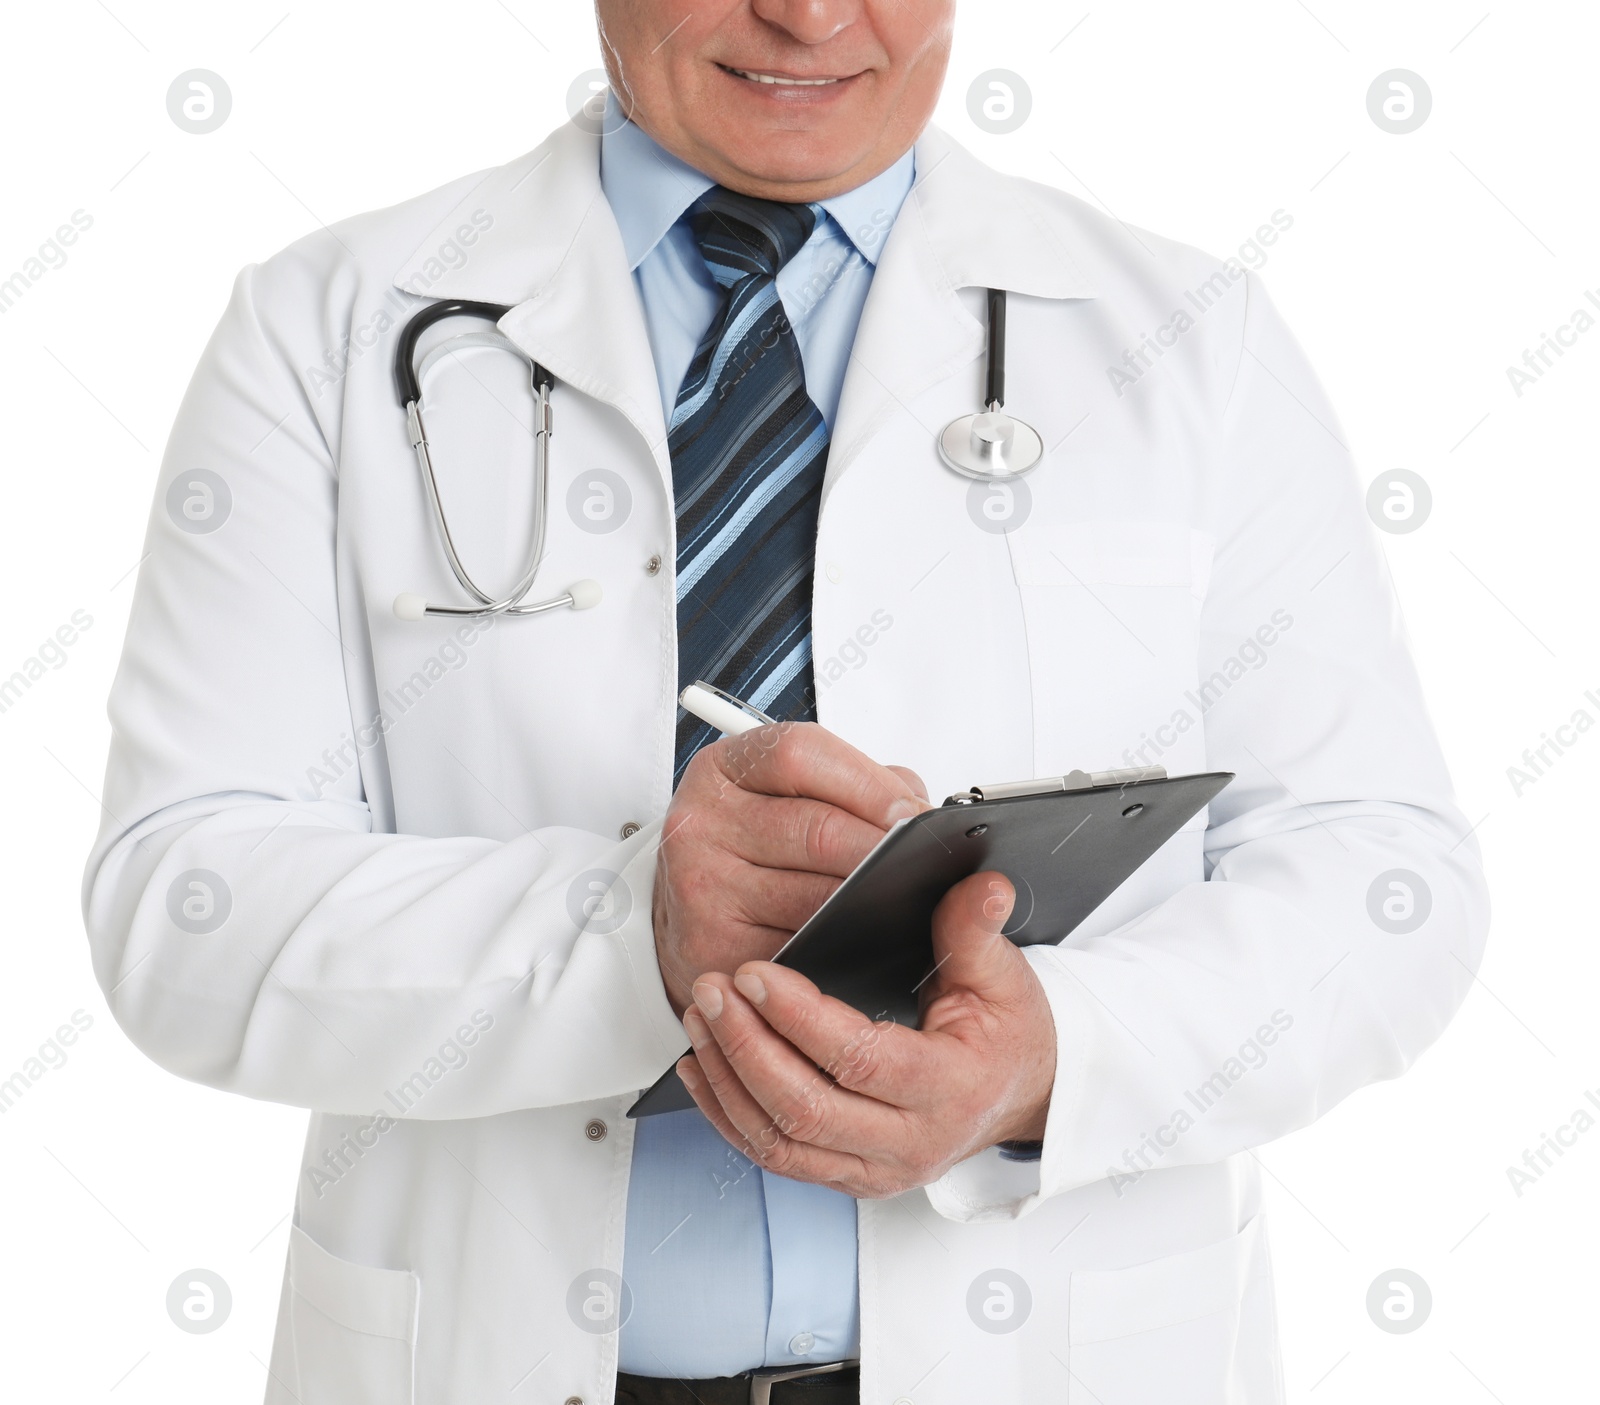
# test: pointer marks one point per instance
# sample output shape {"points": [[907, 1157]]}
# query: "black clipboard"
{"points": [[1066, 843]]}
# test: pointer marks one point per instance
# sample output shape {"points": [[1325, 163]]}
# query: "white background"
{"points": [[1418, 268]]}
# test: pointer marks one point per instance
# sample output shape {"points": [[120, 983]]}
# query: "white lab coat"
{"points": [[412, 924]]}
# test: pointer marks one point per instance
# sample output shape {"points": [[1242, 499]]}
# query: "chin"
{"points": [[794, 158]]}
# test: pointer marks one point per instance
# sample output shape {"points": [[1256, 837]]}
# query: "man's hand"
{"points": [[893, 1108], [762, 828]]}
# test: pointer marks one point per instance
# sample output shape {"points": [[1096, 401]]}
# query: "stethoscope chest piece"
{"points": [[990, 445]]}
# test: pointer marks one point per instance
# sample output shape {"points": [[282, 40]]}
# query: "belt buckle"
{"points": [[762, 1380]]}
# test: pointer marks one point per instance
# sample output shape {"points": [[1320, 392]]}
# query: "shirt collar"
{"points": [[649, 189]]}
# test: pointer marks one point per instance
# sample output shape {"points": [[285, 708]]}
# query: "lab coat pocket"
{"points": [[354, 1327], [1112, 614], [1198, 1327]]}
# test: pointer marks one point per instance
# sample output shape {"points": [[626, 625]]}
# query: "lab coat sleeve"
{"points": [[1246, 1006], [250, 928]]}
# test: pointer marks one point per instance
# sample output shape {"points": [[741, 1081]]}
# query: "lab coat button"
{"points": [[835, 572], [595, 1131], [574, 1400], [801, 1343], [630, 829], [653, 566]]}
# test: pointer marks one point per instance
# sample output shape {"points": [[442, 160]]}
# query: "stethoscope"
{"points": [[408, 379], [989, 445]]}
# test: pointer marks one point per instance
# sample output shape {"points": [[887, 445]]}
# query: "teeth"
{"points": [[785, 82]]}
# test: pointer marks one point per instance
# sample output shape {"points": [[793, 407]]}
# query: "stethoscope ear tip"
{"points": [[410, 607], [585, 594]]}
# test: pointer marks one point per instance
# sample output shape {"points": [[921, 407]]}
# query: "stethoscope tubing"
{"points": [[994, 388]]}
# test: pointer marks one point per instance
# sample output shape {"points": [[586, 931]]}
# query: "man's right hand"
{"points": [[762, 828]]}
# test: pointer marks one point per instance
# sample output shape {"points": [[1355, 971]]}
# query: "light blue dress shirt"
{"points": [[730, 1268]]}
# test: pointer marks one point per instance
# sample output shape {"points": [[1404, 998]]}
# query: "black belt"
{"points": [[837, 1383]]}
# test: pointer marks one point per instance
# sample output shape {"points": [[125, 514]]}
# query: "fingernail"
{"points": [[689, 1072], [750, 985], [709, 999], [904, 808], [694, 1026], [997, 906]]}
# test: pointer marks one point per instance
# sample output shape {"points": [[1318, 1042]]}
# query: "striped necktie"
{"points": [[748, 452]]}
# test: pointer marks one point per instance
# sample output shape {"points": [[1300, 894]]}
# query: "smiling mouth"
{"points": [[778, 80]]}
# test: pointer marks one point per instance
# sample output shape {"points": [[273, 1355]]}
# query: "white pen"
{"points": [[728, 714]]}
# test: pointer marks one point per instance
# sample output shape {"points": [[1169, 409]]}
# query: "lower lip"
{"points": [[793, 94]]}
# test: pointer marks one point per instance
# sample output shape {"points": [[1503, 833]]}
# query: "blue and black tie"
{"points": [[748, 453]]}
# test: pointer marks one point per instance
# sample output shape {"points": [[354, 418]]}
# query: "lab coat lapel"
{"points": [[963, 225], [552, 248], [913, 331]]}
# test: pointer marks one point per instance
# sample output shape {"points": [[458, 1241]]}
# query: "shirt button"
{"points": [[801, 1343], [835, 572], [595, 1131], [653, 566], [574, 1400], [630, 829]]}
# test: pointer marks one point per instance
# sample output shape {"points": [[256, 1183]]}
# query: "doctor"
{"points": [[463, 887]]}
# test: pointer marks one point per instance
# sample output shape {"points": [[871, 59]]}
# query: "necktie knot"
{"points": [[741, 237]]}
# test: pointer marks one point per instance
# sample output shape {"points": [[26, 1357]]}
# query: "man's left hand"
{"points": [[891, 1108]]}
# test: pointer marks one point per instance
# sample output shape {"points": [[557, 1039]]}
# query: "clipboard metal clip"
{"points": [[1054, 785]]}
